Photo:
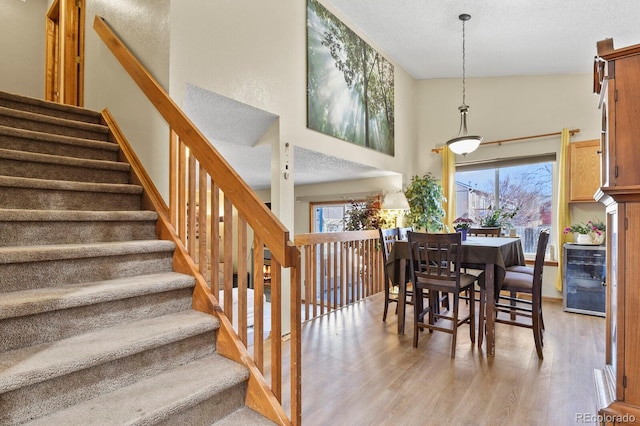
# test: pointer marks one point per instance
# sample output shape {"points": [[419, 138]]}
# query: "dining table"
{"points": [[490, 254]]}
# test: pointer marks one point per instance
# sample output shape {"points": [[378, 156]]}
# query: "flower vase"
{"points": [[463, 231], [597, 237], [583, 239]]}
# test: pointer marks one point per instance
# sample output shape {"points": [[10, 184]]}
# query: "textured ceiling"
{"points": [[235, 129], [424, 37], [504, 37]]}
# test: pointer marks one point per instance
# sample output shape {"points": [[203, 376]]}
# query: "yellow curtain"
{"points": [[449, 185], [563, 218]]}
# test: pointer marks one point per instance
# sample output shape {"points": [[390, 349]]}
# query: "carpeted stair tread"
{"points": [[32, 302], [11, 154], [38, 363], [58, 139], [24, 103], [64, 185], [25, 215], [79, 251], [53, 120], [244, 417], [157, 398]]}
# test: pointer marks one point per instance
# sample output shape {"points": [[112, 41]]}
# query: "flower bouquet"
{"points": [[462, 225], [592, 232]]}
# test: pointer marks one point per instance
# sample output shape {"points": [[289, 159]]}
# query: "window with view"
{"points": [[525, 185]]}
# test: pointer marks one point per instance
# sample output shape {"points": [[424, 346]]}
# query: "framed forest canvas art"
{"points": [[350, 92]]}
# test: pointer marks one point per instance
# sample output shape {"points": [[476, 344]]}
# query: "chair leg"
{"points": [[537, 333], [454, 329], [386, 308], [481, 317], [417, 310], [472, 314], [513, 295]]}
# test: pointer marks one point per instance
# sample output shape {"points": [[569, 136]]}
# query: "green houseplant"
{"points": [[498, 218], [363, 215], [425, 196]]}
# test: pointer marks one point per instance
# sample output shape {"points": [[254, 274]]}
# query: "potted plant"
{"points": [[591, 232], [364, 215], [462, 225], [425, 196], [498, 218]]}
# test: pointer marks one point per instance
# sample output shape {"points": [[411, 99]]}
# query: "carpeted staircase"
{"points": [[95, 327]]}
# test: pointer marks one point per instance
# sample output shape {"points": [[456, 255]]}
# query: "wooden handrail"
{"points": [[258, 216], [201, 182]]}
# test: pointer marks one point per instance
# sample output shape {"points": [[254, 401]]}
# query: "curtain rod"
{"points": [[500, 142]]}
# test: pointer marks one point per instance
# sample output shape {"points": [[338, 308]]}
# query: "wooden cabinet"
{"points": [[584, 171], [617, 80]]}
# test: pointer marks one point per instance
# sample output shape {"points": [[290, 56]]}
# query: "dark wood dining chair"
{"points": [[435, 261], [388, 237], [516, 283], [484, 232]]}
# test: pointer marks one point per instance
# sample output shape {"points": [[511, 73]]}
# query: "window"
{"points": [[522, 183], [328, 217]]}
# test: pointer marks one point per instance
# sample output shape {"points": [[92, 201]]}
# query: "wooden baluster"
{"points": [[174, 143], [182, 196], [308, 280], [242, 280], [214, 240], [296, 343], [276, 329], [228, 258], [258, 307], [203, 235], [192, 208]]}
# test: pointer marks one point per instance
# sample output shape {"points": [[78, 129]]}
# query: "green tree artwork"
{"points": [[350, 88]]}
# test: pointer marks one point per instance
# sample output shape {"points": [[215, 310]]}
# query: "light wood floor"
{"points": [[356, 370]]}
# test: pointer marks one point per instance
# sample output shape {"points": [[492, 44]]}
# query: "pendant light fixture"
{"points": [[463, 143]]}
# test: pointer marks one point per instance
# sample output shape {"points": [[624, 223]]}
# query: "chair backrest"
{"points": [[543, 240], [435, 258], [387, 238], [484, 232]]}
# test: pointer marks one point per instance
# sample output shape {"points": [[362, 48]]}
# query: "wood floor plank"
{"points": [[356, 370]]}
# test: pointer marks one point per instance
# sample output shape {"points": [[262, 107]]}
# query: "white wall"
{"points": [[22, 47], [255, 53], [144, 28], [509, 107]]}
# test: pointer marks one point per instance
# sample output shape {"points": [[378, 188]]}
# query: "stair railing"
{"points": [[208, 201], [340, 268]]}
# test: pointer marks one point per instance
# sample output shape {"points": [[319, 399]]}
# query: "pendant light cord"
{"points": [[464, 69]]}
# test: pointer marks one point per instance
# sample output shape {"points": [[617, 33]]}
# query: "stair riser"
{"points": [[46, 327], [28, 169], [50, 110], [43, 398], [48, 199], [56, 148], [41, 233], [29, 275], [53, 128], [210, 410]]}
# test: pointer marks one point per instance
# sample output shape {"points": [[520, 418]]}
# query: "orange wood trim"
{"points": [[191, 207], [259, 396], [330, 237], [296, 340], [258, 308], [173, 178], [242, 280], [258, 216], [276, 329]]}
